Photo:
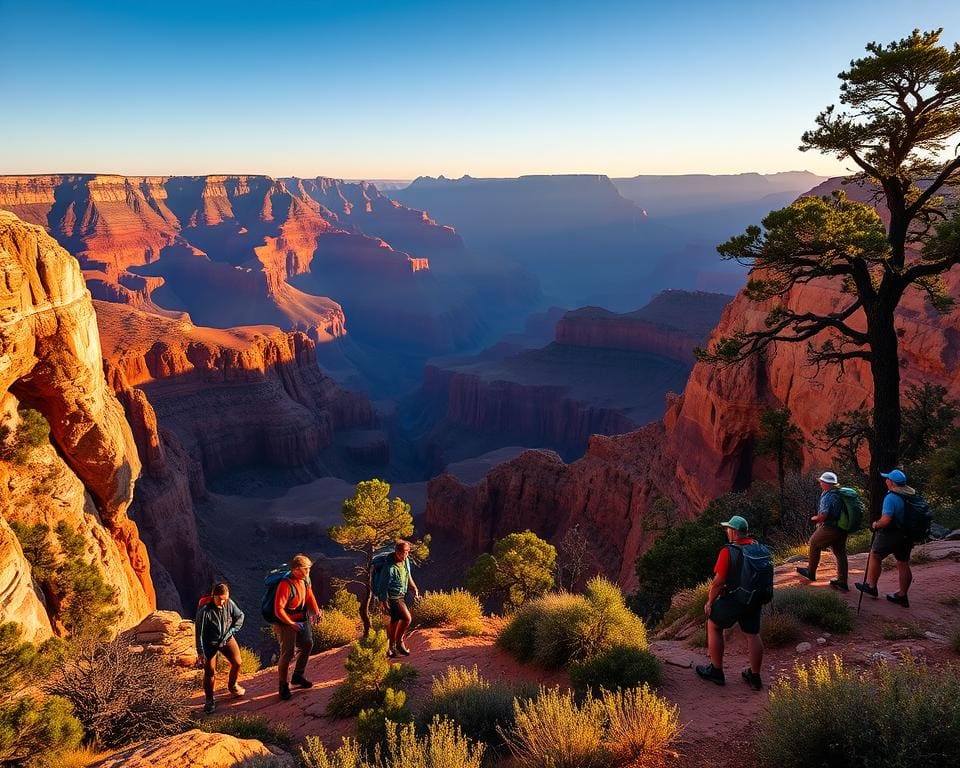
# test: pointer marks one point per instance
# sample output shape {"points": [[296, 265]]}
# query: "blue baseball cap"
{"points": [[896, 475]]}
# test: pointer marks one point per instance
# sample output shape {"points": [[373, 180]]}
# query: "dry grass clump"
{"points": [[248, 727], [615, 668], [779, 628], [436, 609], [819, 607], [685, 605], [633, 727], [901, 630], [334, 629], [249, 662]]}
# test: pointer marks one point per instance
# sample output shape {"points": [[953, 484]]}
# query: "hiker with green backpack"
{"points": [[839, 514]]}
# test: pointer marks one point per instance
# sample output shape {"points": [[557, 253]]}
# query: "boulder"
{"points": [[198, 749]]}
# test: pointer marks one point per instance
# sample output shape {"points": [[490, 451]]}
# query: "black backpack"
{"points": [[917, 517], [750, 578]]}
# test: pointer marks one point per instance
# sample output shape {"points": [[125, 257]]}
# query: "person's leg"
{"points": [[715, 644], [304, 643], [209, 673], [817, 542], [906, 576], [286, 636], [402, 624], [873, 570], [231, 652], [839, 548], [755, 649]]}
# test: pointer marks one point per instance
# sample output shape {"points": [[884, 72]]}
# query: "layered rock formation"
{"points": [[197, 748], [50, 360]]}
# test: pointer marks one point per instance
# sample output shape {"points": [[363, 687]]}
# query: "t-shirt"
{"points": [[894, 506], [299, 597], [831, 506], [723, 559]]}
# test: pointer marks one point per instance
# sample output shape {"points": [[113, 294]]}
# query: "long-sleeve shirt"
{"points": [[294, 599], [215, 626], [393, 579]]}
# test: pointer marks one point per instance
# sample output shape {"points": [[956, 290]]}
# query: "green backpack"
{"points": [[851, 519]]}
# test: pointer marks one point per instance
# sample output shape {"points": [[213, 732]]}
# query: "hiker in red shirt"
{"points": [[295, 607], [724, 610]]}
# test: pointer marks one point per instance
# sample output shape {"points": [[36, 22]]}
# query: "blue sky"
{"points": [[361, 89]]}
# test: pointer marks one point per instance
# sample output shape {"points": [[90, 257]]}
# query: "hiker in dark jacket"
{"points": [[391, 590], [218, 620], [828, 534]]}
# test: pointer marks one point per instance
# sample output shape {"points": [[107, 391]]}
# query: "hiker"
{"points": [[828, 533], [724, 609], [218, 620], [295, 609], [891, 538], [391, 590]]}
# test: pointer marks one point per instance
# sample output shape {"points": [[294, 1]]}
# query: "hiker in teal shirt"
{"points": [[391, 590]]}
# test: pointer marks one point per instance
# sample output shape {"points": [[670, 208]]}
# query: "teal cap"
{"points": [[739, 524]]}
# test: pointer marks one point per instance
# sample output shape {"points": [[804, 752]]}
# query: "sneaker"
{"points": [[841, 585], [805, 572], [753, 680], [285, 691], [209, 707], [403, 650], [237, 691], [899, 599], [711, 673], [867, 589], [391, 652], [300, 681]]}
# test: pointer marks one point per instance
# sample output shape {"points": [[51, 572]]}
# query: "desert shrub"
{"points": [[334, 629], [686, 605], [859, 542], [248, 727], [478, 706], [902, 714], [437, 609], [698, 638], [249, 662], [30, 726], [818, 607], [779, 629], [373, 723], [642, 728], [345, 602], [617, 667], [35, 543], [442, 746], [369, 674], [521, 567], [32, 432], [118, 695], [470, 627], [788, 551], [558, 628], [901, 630]]}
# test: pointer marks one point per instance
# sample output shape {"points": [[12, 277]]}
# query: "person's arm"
{"points": [[198, 631], [314, 611], [886, 513], [719, 579], [410, 582], [237, 620], [280, 601]]}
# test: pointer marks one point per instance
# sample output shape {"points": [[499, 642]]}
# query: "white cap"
{"points": [[829, 477]]}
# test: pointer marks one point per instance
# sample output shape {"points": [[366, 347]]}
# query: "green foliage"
{"points": [[780, 438], [558, 628], [818, 607], [119, 695], [478, 706], [779, 628], [687, 604], [448, 608], [32, 432], [244, 726], [901, 630], [521, 567], [71, 541], [89, 601], [373, 724], [35, 543], [631, 727], [894, 717], [345, 602], [32, 726], [369, 674], [615, 668], [443, 746], [334, 630], [371, 518]]}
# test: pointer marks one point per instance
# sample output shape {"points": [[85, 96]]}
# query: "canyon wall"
{"points": [[50, 361]]}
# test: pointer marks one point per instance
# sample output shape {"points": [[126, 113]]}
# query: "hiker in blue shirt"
{"points": [[828, 533], [218, 620], [391, 590], [891, 539]]}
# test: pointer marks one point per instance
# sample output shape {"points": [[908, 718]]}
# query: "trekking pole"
{"points": [[869, 551]]}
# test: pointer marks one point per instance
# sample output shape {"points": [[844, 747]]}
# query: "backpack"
{"points": [[753, 582], [380, 561], [917, 517], [271, 582], [851, 519]]}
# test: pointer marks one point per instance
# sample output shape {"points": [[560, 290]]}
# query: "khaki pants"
{"points": [[289, 638], [834, 539]]}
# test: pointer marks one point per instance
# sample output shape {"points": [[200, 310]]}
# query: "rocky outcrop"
{"points": [[20, 599], [50, 360], [197, 748], [235, 397], [167, 633]]}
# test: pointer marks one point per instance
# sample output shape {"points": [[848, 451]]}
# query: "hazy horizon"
{"points": [[396, 91]]}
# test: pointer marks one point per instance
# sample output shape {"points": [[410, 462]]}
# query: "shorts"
{"points": [[398, 608], [727, 611], [892, 543]]}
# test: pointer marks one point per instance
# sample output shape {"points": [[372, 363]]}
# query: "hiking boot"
{"points": [[711, 673], [209, 707], [805, 572], [867, 589], [753, 679], [237, 691], [391, 652], [403, 650], [899, 599], [285, 691], [300, 681], [841, 585]]}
